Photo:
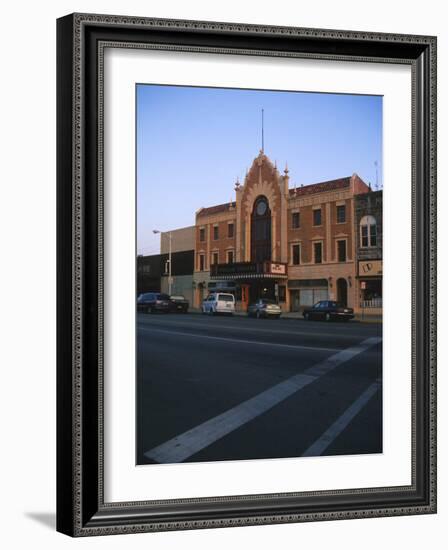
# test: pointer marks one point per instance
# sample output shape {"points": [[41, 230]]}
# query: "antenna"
{"points": [[376, 176], [262, 130]]}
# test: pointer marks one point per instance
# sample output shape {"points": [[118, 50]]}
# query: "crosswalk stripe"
{"points": [[327, 438], [192, 441]]}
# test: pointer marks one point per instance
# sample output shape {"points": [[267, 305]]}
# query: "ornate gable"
{"points": [[263, 178]]}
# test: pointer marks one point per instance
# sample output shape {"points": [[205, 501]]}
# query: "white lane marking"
{"points": [[192, 441], [337, 334], [237, 340], [319, 446]]}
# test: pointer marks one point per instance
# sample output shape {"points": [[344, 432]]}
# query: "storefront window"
{"points": [[371, 293]]}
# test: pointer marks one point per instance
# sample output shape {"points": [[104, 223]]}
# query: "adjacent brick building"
{"points": [[369, 247]]}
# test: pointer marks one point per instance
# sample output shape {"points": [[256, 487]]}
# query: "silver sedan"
{"points": [[264, 307]]}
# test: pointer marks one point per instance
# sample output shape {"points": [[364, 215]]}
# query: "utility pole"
{"points": [[262, 130], [170, 236], [169, 265]]}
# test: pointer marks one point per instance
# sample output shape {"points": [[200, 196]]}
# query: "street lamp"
{"points": [[155, 231]]}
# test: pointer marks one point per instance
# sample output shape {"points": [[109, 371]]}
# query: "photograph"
{"points": [[259, 267]]}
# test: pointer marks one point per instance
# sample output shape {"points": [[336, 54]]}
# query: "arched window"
{"points": [[261, 230], [368, 235]]}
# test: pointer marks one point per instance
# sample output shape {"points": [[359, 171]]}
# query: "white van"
{"points": [[219, 302]]}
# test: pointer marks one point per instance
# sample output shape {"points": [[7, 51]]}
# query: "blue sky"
{"points": [[193, 143]]}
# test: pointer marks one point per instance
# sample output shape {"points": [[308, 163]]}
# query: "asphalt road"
{"points": [[232, 388]]}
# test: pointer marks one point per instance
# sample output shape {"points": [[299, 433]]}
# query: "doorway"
{"points": [[342, 291]]}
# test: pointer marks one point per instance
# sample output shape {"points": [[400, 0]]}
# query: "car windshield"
{"points": [[335, 304], [163, 297], [144, 297], [177, 298]]}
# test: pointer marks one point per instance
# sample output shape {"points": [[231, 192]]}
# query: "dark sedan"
{"points": [[179, 304], [153, 302], [328, 311]]}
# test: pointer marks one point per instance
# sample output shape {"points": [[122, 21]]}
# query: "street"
{"points": [[235, 388]]}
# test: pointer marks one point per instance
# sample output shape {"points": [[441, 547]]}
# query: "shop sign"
{"points": [[371, 268], [278, 269]]}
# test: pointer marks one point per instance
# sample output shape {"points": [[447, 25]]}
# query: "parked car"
{"points": [[264, 307], [328, 311], [220, 302], [179, 303], [152, 302]]}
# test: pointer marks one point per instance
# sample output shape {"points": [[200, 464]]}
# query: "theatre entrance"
{"points": [[264, 288]]}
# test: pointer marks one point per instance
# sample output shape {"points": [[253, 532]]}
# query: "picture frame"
{"points": [[81, 507]]}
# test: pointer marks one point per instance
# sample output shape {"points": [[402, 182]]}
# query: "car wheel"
{"points": [[306, 316], [327, 317], [258, 315]]}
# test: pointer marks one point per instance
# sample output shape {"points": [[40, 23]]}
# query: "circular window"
{"points": [[261, 208]]}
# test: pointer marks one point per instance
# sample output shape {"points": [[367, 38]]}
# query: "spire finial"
{"points": [[262, 130], [286, 168]]}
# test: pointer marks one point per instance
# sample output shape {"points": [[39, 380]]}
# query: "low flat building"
{"points": [[153, 271], [182, 255], [149, 273]]}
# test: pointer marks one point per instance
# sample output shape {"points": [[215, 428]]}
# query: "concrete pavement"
{"points": [[226, 388]]}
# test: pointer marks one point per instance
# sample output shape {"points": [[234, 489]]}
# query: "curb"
{"points": [[288, 317]]}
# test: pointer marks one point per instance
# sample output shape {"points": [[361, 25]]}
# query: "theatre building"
{"points": [[294, 245]]}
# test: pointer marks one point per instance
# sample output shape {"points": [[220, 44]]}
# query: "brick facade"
{"points": [[324, 215]]}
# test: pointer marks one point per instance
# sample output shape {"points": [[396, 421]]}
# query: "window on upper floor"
{"points": [[215, 232], [296, 254], [340, 213], [295, 220], [201, 262], [230, 230], [202, 234], [317, 216], [317, 248], [368, 232], [342, 251]]}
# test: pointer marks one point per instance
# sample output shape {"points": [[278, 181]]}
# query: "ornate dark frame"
{"points": [[81, 39]]}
